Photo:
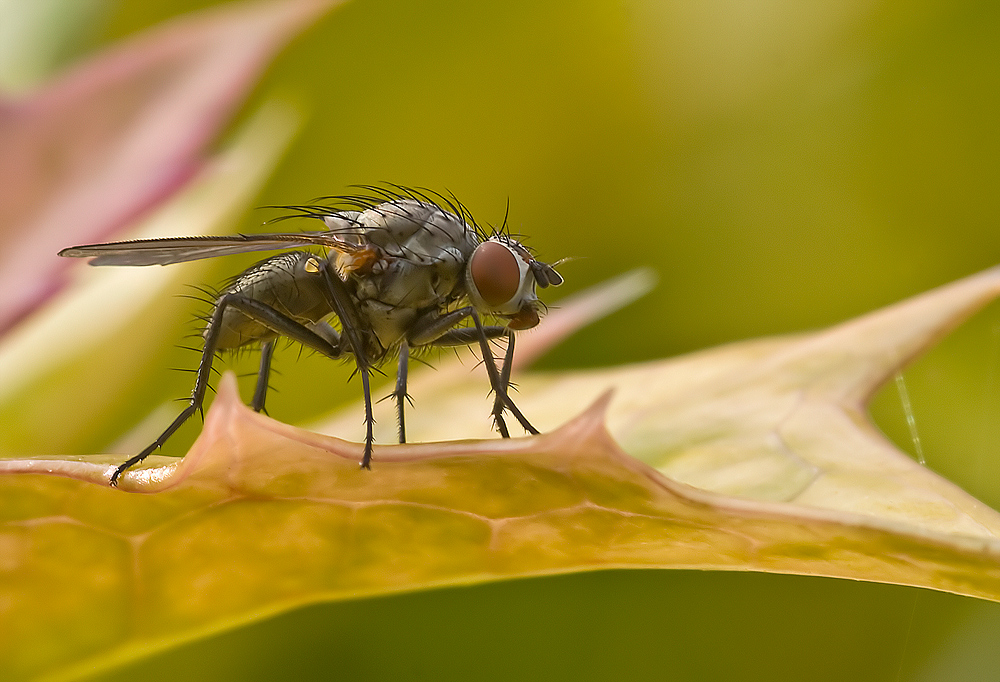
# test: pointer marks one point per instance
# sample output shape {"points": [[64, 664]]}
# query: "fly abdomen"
{"points": [[291, 283]]}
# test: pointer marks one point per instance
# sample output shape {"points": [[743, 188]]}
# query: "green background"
{"points": [[781, 165]]}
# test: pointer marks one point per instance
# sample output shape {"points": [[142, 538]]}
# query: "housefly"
{"points": [[402, 269]]}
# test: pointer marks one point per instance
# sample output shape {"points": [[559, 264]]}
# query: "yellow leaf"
{"points": [[261, 517]]}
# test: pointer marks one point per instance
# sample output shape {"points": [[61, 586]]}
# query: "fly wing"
{"points": [[168, 250]]}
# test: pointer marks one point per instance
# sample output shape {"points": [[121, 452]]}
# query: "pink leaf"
{"points": [[121, 132]]}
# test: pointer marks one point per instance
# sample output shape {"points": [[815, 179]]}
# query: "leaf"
{"points": [[261, 517], [112, 309], [122, 132], [36, 36]]}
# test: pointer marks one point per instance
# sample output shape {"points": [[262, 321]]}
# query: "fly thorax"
{"points": [[390, 323], [417, 231]]}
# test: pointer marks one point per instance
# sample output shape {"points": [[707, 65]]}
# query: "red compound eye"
{"points": [[495, 273]]}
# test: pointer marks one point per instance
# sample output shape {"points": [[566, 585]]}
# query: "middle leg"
{"points": [[399, 394], [263, 376]]}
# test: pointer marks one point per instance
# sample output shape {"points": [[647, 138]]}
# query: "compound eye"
{"points": [[496, 273]]}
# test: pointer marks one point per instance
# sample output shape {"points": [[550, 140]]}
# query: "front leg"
{"points": [[508, 362], [467, 336], [498, 382], [438, 329]]}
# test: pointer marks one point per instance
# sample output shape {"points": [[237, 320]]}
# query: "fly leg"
{"points": [[498, 404], [438, 332], [256, 310], [263, 376], [267, 353], [343, 305], [495, 380], [433, 328], [499, 383], [399, 394]]}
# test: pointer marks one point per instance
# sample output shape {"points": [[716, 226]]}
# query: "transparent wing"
{"points": [[168, 250]]}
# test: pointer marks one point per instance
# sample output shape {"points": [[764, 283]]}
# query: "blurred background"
{"points": [[781, 165]]}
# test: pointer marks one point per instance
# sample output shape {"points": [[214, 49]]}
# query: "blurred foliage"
{"points": [[782, 165]]}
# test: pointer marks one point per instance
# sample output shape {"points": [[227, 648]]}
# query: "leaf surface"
{"points": [[261, 517]]}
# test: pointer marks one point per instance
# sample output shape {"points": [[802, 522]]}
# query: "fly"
{"points": [[402, 270]]}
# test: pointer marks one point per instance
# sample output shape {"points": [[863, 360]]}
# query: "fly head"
{"points": [[501, 278]]}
